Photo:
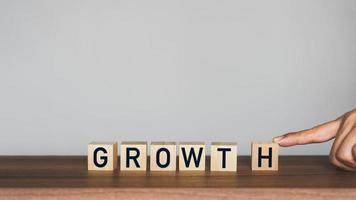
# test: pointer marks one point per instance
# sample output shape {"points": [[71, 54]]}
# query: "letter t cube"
{"points": [[223, 156]]}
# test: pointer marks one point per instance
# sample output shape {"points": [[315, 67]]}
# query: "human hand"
{"points": [[343, 129]]}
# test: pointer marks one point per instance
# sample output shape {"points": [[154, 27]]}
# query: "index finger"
{"points": [[317, 134]]}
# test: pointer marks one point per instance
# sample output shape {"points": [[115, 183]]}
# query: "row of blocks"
{"points": [[191, 156]]}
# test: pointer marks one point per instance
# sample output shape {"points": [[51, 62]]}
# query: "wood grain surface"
{"points": [[177, 193], [47, 177], [71, 171]]}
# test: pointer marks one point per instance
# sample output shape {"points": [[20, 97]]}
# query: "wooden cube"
{"points": [[192, 156], [133, 156], [264, 156], [102, 156], [223, 156], [163, 156]]}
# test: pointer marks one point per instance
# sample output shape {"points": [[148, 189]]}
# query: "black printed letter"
{"points": [[158, 156], [104, 158], [224, 150], [134, 158], [260, 157], [192, 154]]}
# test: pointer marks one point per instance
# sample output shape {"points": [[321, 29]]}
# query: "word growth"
{"points": [[190, 155]]}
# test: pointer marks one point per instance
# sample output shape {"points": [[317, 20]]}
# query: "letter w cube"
{"points": [[192, 156]]}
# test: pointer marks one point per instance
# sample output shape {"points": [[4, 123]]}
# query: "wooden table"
{"points": [[50, 177]]}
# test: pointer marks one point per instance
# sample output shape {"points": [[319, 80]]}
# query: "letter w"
{"points": [[192, 155]]}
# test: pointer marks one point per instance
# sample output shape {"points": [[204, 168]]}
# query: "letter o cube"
{"points": [[163, 156]]}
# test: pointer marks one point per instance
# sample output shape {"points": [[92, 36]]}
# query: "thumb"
{"points": [[320, 133]]}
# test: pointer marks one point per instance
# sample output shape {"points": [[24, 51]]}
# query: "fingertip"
{"points": [[277, 139], [284, 141]]}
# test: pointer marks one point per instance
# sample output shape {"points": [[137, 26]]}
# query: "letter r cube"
{"points": [[133, 156]]}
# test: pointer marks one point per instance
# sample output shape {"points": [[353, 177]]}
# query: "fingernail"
{"points": [[278, 139]]}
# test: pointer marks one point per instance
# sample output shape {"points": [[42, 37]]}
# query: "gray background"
{"points": [[76, 71]]}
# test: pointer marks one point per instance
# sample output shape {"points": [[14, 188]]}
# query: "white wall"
{"points": [[76, 71]]}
